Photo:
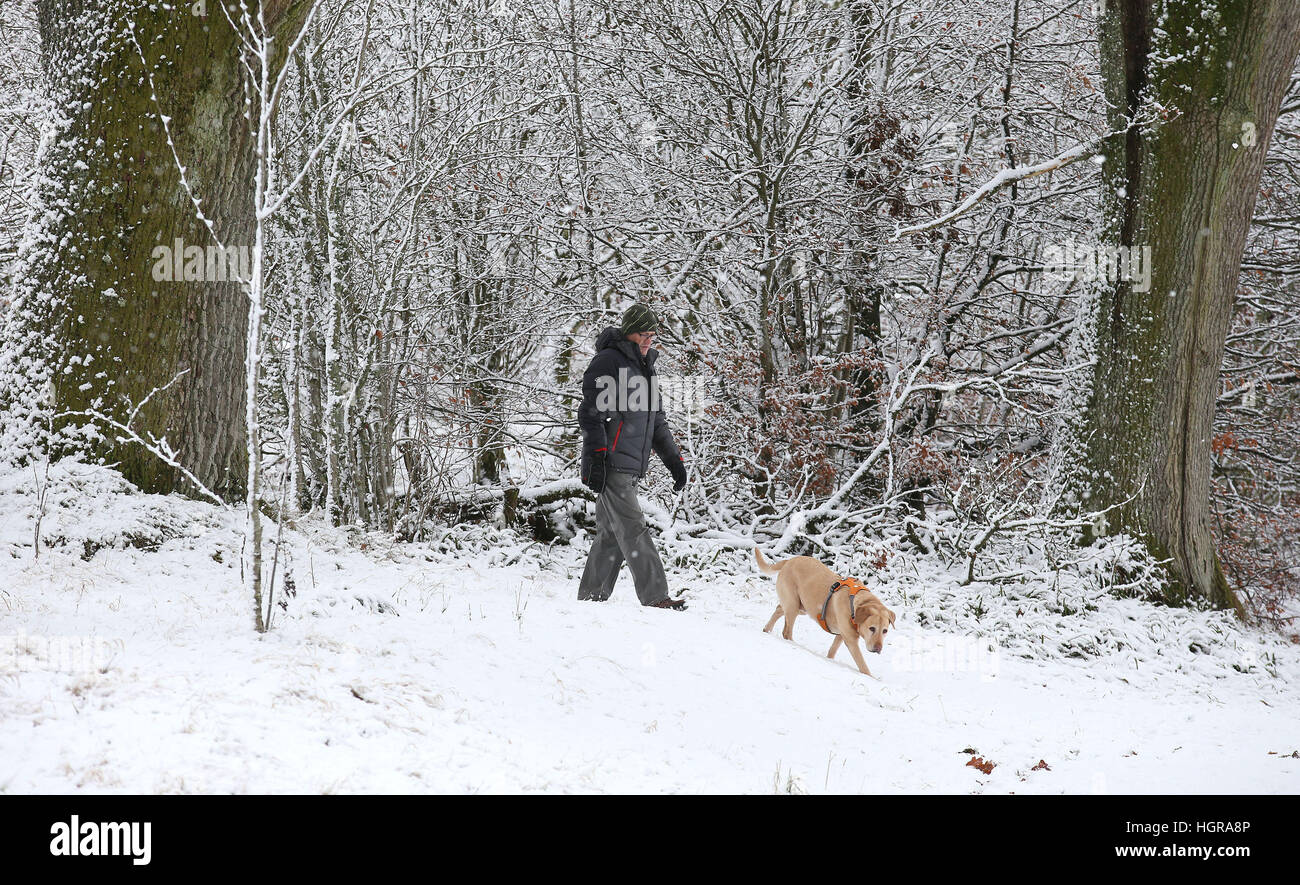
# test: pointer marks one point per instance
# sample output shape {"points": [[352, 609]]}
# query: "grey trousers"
{"points": [[622, 534]]}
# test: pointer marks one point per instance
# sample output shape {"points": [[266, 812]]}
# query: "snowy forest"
{"points": [[992, 305]]}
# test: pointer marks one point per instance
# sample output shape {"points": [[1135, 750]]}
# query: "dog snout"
{"points": [[878, 649]]}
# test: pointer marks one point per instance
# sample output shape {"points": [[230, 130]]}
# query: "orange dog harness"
{"points": [[854, 586]]}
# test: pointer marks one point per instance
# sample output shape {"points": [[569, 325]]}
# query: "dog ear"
{"points": [[891, 618]]}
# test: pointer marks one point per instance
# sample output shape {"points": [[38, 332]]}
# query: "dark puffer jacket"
{"points": [[628, 427]]}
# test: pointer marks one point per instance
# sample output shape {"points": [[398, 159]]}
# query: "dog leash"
{"points": [[853, 585]]}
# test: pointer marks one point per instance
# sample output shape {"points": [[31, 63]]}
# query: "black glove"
{"points": [[595, 476], [678, 470]]}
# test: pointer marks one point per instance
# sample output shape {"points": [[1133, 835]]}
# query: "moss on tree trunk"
{"points": [[107, 317], [111, 335]]}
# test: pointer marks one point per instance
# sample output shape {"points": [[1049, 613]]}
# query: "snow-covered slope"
{"points": [[128, 663]]}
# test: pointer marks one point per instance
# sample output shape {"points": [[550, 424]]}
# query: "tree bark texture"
{"points": [[1208, 79]]}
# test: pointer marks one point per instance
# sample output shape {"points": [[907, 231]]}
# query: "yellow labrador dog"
{"points": [[841, 605]]}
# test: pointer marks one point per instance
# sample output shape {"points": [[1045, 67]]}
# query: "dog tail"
{"points": [[767, 568]]}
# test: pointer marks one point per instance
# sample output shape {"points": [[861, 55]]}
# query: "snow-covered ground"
{"points": [[128, 663]]}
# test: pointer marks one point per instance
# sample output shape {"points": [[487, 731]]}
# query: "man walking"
{"points": [[621, 421]]}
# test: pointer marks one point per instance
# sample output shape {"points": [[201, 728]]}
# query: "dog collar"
{"points": [[853, 585]]}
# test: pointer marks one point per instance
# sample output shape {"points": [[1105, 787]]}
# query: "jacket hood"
{"points": [[609, 337]]}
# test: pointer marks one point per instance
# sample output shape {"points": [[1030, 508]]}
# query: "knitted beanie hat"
{"points": [[639, 318]]}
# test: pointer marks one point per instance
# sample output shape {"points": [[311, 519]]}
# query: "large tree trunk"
{"points": [[1185, 186], [94, 320]]}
